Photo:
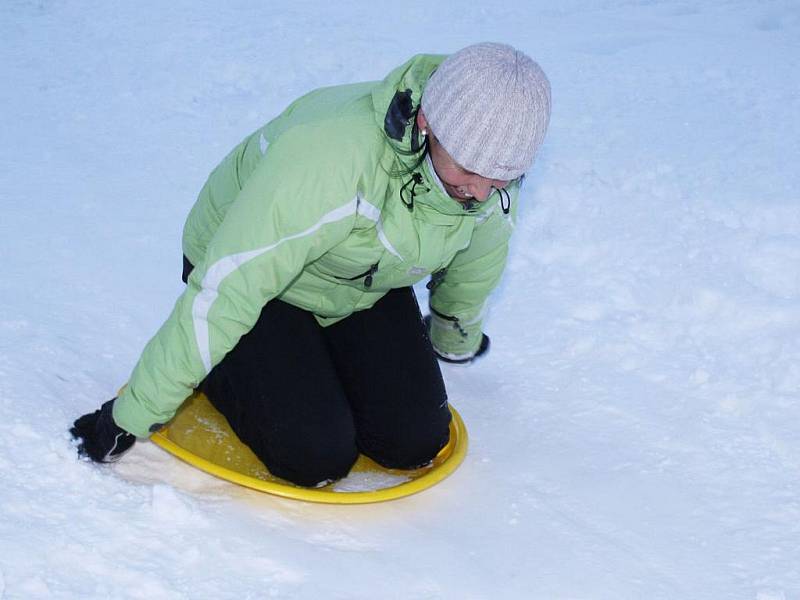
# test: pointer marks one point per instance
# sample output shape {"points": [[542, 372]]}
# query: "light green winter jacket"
{"points": [[320, 209]]}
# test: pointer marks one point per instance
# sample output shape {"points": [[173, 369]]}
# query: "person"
{"points": [[298, 319]]}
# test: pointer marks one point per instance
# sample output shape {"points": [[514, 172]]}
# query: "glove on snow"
{"points": [[482, 349], [100, 438]]}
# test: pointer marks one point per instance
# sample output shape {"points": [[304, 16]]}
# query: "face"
{"points": [[460, 184]]}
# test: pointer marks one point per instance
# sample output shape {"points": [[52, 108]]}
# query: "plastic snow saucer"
{"points": [[201, 436]]}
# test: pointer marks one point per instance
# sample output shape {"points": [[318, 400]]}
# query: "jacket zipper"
{"points": [[454, 320], [367, 275], [436, 280]]}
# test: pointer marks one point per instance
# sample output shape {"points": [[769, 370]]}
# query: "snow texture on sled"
{"points": [[201, 436]]}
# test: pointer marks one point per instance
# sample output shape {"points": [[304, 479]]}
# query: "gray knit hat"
{"points": [[489, 106]]}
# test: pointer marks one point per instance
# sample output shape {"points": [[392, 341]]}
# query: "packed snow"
{"points": [[633, 431]]}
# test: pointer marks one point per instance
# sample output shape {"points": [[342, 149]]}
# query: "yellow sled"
{"points": [[201, 436]]}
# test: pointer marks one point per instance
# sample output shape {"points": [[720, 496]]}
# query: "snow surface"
{"points": [[634, 428]]}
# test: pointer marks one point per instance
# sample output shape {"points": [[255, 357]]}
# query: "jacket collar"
{"points": [[440, 200], [395, 99], [395, 102]]}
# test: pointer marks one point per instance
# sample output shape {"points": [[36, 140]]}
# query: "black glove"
{"points": [[482, 349], [99, 437]]}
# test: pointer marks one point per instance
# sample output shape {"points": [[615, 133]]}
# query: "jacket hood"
{"points": [[397, 98], [395, 102]]}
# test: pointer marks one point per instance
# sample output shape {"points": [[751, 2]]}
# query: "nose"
{"points": [[481, 189]]}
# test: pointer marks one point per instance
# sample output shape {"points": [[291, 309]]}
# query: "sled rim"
{"points": [[450, 457]]}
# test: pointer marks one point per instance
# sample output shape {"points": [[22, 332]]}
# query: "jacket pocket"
{"points": [[366, 275], [343, 268]]}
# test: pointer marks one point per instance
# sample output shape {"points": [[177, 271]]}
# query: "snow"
{"points": [[633, 430]]}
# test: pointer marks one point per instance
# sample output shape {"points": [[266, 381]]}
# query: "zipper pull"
{"points": [[454, 320], [368, 279], [436, 279]]}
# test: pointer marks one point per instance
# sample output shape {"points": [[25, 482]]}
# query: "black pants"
{"points": [[307, 399]]}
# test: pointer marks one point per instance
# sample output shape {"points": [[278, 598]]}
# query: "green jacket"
{"points": [[320, 209]]}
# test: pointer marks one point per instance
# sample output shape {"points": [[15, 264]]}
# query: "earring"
{"points": [[424, 132]]}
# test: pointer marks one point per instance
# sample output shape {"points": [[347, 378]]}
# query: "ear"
{"points": [[422, 122]]}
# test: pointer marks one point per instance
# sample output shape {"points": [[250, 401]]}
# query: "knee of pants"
{"points": [[315, 462], [407, 447]]}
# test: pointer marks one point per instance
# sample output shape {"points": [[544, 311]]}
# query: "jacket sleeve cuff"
{"points": [[454, 340], [134, 416]]}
